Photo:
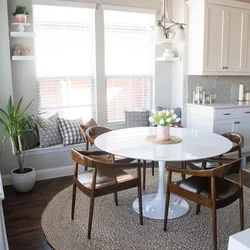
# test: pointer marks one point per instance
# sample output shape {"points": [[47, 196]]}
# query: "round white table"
{"points": [[132, 143]]}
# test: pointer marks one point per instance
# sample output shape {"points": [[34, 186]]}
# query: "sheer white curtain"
{"points": [[129, 62], [64, 47]]}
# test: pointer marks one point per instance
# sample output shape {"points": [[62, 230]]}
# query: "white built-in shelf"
{"points": [[169, 59], [167, 40], [23, 58], [22, 34]]}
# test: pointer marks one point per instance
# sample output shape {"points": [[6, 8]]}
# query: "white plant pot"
{"points": [[21, 18], [23, 182]]}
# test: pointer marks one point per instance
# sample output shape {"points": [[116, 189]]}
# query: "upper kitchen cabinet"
{"points": [[219, 33]]}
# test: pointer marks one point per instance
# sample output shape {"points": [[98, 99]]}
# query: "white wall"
{"points": [[179, 69], [7, 160]]}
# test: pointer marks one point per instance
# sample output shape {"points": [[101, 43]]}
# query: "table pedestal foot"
{"points": [[154, 206]]}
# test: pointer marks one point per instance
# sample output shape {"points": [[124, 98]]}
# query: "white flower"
{"points": [[169, 119], [172, 111], [160, 113], [174, 116], [178, 119], [153, 111], [151, 119], [163, 111], [161, 121], [167, 112]]}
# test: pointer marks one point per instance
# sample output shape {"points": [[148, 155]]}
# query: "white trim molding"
{"points": [[65, 3], [129, 9]]}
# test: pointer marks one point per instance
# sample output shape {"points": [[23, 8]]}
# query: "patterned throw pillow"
{"points": [[87, 125], [50, 135], [70, 131]]}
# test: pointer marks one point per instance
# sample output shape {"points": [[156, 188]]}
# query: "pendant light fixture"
{"points": [[160, 31]]}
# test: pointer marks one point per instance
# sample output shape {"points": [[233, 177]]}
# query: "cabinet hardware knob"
{"points": [[248, 112], [227, 114]]}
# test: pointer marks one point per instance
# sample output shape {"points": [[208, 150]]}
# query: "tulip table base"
{"points": [[153, 205]]}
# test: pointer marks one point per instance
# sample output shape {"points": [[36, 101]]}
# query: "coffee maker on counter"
{"points": [[201, 97]]}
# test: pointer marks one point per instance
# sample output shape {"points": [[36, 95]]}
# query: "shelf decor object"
{"points": [[160, 31], [20, 26], [21, 14]]}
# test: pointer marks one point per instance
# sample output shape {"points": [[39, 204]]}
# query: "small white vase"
{"points": [[162, 132]]}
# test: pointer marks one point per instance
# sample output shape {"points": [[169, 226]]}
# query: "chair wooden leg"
{"points": [[91, 211], [214, 225], [144, 175], [116, 198], [241, 213], [153, 168], [198, 208], [183, 166], [73, 202], [86, 168]]}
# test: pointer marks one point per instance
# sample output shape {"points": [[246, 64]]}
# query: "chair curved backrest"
{"points": [[92, 132], [237, 140]]}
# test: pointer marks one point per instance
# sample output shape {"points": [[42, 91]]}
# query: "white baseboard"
{"points": [[45, 174]]}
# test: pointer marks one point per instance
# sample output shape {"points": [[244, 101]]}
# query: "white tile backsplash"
{"points": [[226, 88]]}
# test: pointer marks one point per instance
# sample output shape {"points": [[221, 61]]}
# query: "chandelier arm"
{"points": [[168, 28]]}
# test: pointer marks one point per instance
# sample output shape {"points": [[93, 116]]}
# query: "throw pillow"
{"points": [[136, 118], [50, 135], [87, 125], [70, 131]]}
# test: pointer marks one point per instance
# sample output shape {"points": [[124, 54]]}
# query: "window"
{"points": [[129, 62], [64, 46]]}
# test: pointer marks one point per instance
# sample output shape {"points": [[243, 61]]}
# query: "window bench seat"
{"points": [[51, 162], [54, 149]]}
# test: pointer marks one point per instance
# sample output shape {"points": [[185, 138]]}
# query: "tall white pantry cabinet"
{"points": [[219, 37]]}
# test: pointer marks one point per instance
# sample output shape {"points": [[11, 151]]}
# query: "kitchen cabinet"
{"points": [[221, 120], [218, 33]]}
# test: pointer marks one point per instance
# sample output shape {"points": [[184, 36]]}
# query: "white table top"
{"points": [[131, 142]]}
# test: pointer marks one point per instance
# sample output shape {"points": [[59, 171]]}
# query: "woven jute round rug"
{"points": [[118, 227]]}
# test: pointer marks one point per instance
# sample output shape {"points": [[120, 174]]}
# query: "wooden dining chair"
{"points": [[209, 188], [238, 143], [104, 178]]}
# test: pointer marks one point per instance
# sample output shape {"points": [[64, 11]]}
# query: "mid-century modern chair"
{"points": [[90, 136], [104, 178], [209, 188], [238, 143]]}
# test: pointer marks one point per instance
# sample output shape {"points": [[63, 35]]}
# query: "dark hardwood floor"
{"points": [[23, 212]]}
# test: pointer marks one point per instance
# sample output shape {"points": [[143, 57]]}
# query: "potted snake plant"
{"points": [[15, 125]]}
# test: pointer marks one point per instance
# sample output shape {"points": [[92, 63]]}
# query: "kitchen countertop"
{"points": [[223, 105]]}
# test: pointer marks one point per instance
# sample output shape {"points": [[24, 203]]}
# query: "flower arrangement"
{"points": [[164, 117]]}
